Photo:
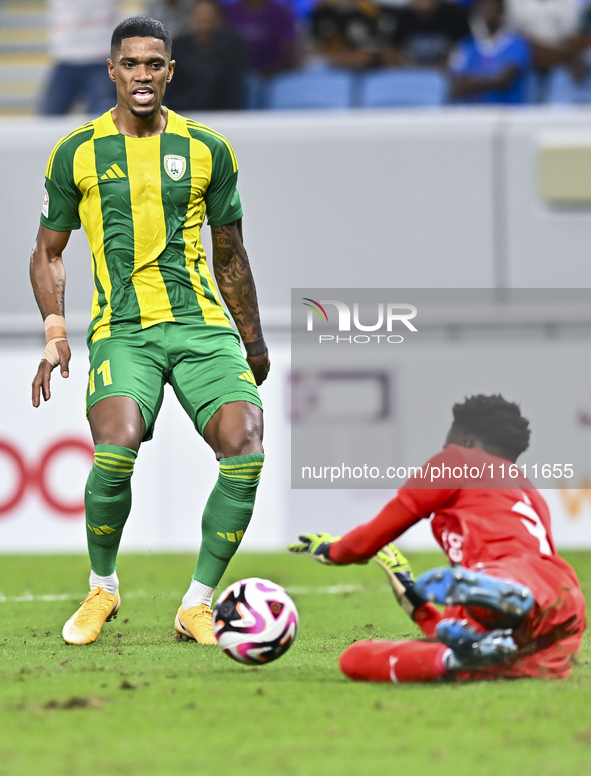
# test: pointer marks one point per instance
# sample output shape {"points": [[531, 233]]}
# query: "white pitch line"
{"points": [[331, 590], [29, 598]]}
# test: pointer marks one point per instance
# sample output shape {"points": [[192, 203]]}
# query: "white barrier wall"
{"points": [[364, 199], [550, 379], [45, 455], [378, 199], [445, 198], [540, 244]]}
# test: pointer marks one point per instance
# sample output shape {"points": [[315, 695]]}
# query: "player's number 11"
{"points": [[104, 371]]}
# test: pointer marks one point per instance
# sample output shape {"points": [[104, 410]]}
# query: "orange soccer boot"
{"points": [[195, 623], [85, 625]]}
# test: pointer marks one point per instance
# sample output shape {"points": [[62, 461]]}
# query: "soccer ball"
{"points": [[255, 621]]}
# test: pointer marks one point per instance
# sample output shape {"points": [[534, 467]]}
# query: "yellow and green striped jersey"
{"points": [[142, 203]]}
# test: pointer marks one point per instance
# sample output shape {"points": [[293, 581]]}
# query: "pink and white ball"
{"points": [[255, 621]]}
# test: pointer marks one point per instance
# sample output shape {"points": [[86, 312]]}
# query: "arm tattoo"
{"points": [[235, 281], [60, 287]]}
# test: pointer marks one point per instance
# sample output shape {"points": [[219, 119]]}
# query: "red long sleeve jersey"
{"points": [[472, 525], [505, 532]]}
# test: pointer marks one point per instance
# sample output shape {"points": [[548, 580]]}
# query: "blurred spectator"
{"points": [[302, 8], [492, 66], [211, 63], [344, 33], [174, 14], [425, 32], [79, 40], [551, 27], [268, 27], [583, 38]]}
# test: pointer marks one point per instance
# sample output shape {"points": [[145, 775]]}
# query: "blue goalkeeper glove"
{"points": [[317, 546]]}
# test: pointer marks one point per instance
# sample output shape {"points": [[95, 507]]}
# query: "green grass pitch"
{"points": [[139, 702]]}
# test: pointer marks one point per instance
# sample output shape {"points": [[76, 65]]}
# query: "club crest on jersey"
{"points": [[175, 166]]}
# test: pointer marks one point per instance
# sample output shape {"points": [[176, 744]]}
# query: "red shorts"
{"points": [[550, 636]]}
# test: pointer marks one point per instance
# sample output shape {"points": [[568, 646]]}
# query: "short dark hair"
{"points": [[140, 27], [495, 421]]}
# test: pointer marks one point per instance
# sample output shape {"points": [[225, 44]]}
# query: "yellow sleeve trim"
{"points": [[60, 143], [213, 133]]}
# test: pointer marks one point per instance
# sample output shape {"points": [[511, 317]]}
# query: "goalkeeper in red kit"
{"points": [[513, 607]]}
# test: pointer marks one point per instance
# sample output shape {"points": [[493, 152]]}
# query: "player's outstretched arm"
{"points": [[234, 278], [48, 279]]}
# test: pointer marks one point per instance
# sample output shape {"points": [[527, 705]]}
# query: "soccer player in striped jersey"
{"points": [[141, 180]]}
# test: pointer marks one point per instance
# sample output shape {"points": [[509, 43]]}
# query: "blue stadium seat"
{"points": [[311, 89], [533, 89], [255, 92], [564, 90], [398, 88]]}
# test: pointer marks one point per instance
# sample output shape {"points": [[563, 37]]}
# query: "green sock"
{"points": [[108, 501], [227, 514]]}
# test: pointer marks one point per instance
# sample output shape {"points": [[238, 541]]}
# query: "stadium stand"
{"points": [[564, 90], [311, 89], [256, 92], [26, 62], [403, 88], [23, 55]]}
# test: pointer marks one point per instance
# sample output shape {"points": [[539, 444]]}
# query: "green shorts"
{"points": [[204, 365]]}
